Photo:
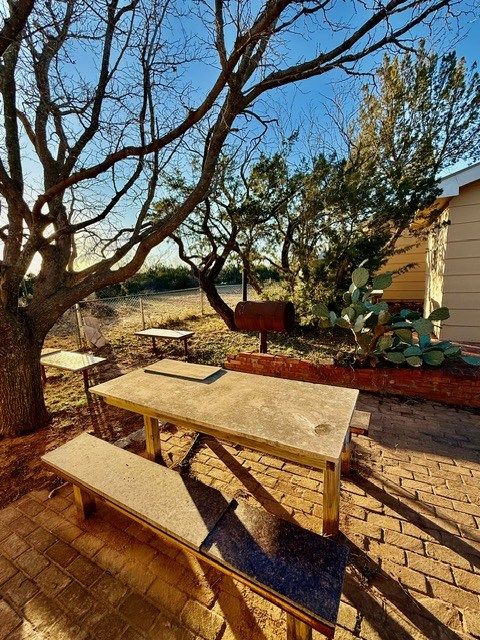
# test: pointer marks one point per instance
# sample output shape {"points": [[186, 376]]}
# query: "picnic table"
{"points": [[69, 361], [166, 334], [298, 421]]}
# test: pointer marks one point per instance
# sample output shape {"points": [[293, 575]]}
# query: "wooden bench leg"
{"points": [[331, 499], [85, 503], [186, 348], [346, 453], [297, 630], [86, 382], [44, 374], [152, 437]]}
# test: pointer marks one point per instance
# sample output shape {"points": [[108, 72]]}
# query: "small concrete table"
{"points": [[168, 334], [298, 421], [69, 361]]}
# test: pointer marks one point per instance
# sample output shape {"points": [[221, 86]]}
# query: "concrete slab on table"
{"points": [[165, 333], [70, 360], [301, 421], [182, 369]]}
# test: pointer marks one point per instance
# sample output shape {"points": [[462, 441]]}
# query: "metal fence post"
{"points": [[244, 285], [142, 311]]}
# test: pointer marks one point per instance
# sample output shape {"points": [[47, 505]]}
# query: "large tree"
{"points": [[420, 117], [247, 196], [97, 97]]}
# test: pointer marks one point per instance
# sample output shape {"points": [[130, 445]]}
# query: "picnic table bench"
{"points": [[166, 334], [298, 570], [69, 361]]}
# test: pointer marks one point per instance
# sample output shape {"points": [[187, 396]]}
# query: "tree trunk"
{"points": [[218, 304], [22, 406]]}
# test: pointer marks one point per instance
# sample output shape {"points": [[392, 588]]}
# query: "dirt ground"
{"points": [[71, 412]]}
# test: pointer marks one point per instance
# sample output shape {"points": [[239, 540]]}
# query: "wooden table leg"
{"points": [[331, 499], [85, 381], [154, 345], [43, 374], [152, 437], [346, 453], [84, 502], [186, 347], [297, 630]]}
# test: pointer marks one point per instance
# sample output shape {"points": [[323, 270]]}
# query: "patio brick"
{"points": [[76, 600], [7, 570], [201, 620], [32, 562], [85, 571], [472, 622], [61, 553], [42, 612], [8, 619], [52, 580], [13, 546], [41, 539], [109, 589], [110, 626], [20, 589], [138, 611]]}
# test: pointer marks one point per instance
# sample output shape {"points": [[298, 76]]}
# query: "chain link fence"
{"points": [[127, 314]]}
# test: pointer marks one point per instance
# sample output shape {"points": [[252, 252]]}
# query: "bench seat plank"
{"points": [[303, 567], [181, 507]]}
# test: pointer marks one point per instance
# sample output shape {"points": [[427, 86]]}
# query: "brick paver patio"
{"points": [[410, 514]]}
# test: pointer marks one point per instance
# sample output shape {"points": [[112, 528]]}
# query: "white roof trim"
{"points": [[450, 185]]}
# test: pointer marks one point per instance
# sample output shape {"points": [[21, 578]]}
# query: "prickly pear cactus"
{"points": [[403, 338]]}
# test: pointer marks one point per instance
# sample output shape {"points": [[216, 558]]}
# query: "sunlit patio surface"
{"points": [[410, 514]]}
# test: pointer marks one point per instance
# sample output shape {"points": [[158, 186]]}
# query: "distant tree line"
{"points": [[162, 277]]}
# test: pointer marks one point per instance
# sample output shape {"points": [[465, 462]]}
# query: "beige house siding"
{"points": [[461, 270], [410, 285]]}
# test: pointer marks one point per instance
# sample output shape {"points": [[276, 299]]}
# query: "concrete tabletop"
{"points": [[70, 360], [300, 421], [164, 333]]}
